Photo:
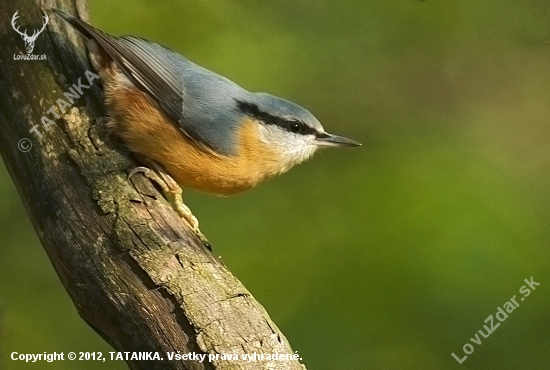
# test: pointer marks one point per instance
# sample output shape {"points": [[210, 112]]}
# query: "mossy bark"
{"points": [[134, 270]]}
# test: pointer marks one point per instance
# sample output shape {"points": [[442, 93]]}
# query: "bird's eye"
{"points": [[296, 127]]}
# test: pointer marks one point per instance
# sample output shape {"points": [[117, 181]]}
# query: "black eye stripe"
{"points": [[290, 125]]}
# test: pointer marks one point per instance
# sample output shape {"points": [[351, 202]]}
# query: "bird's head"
{"points": [[289, 129]]}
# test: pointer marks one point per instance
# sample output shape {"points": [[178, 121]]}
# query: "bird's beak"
{"points": [[326, 139]]}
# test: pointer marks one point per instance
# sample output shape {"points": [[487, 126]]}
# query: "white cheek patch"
{"points": [[293, 148]]}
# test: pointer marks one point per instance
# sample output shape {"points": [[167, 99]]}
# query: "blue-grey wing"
{"points": [[201, 103], [165, 76]]}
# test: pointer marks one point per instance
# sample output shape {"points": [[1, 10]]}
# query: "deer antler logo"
{"points": [[29, 40]]}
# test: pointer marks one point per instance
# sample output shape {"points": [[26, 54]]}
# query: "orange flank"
{"points": [[146, 131]]}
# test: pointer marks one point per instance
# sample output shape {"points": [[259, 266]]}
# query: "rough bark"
{"points": [[133, 269]]}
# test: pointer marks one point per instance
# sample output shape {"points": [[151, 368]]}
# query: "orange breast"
{"points": [[148, 132]]}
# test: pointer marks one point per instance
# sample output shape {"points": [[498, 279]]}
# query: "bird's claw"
{"points": [[173, 193]]}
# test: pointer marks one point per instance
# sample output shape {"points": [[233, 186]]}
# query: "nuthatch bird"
{"points": [[193, 127]]}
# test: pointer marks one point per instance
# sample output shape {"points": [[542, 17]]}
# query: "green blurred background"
{"points": [[389, 256]]}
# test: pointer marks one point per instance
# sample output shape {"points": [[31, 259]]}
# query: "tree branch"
{"points": [[134, 270]]}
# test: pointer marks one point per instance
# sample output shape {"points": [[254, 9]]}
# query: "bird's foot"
{"points": [[173, 193]]}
